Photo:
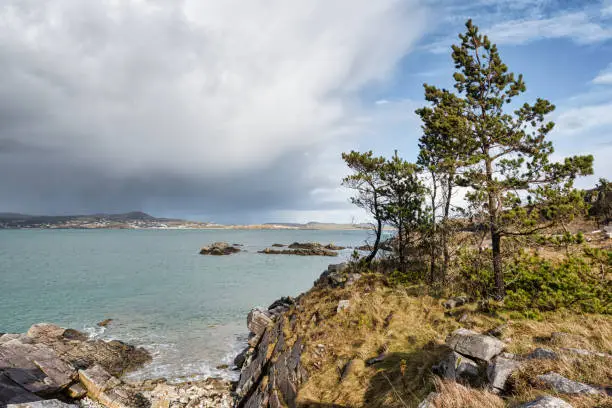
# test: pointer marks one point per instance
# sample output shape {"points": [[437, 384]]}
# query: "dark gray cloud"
{"points": [[230, 110]]}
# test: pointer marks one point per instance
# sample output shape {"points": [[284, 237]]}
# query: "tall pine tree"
{"points": [[508, 171]]}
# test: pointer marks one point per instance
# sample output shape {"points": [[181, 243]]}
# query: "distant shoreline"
{"points": [[140, 220], [224, 227]]}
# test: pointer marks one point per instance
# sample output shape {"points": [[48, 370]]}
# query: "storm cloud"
{"points": [[229, 110]]}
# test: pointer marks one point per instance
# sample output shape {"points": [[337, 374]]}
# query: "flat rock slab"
{"points": [[546, 402], [475, 345], [566, 386], [43, 404], [35, 366], [11, 393], [60, 372]]}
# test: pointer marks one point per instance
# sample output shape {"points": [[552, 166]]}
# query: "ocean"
{"points": [[188, 310]]}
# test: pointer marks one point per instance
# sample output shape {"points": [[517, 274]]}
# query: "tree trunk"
{"points": [[500, 290], [372, 255], [432, 266], [498, 273], [449, 189], [400, 248]]}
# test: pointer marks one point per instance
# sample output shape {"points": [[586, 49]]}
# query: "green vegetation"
{"points": [[512, 237], [408, 328]]}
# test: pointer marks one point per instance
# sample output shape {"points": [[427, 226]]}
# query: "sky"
{"points": [[238, 111]]}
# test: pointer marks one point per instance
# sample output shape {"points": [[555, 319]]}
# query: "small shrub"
{"points": [[397, 278], [475, 273], [540, 284]]}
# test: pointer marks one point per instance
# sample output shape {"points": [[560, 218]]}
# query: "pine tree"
{"points": [[509, 172], [370, 188], [444, 148], [403, 204]]}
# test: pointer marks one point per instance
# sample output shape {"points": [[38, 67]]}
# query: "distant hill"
{"points": [[16, 220]]}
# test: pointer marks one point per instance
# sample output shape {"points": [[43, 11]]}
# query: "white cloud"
{"points": [[579, 27], [585, 129], [193, 87], [576, 26], [580, 120], [604, 77], [197, 84]]}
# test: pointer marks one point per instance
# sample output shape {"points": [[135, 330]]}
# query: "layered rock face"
{"points": [[45, 363], [272, 372], [50, 365]]}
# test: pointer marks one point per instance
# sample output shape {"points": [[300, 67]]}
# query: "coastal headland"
{"points": [[406, 349]]}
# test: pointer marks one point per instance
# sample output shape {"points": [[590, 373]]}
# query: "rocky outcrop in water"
{"points": [[302, 252], [220, 248], [315, 245]]}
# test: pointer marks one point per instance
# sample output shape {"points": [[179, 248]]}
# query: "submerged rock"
{"points": [[104, 322], [220, 248]]}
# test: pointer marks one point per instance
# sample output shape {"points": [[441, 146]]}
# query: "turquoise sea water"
{"points": [[189, 310]]}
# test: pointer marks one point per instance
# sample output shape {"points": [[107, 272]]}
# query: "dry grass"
{"points": [[411, 331], [453, 395]]}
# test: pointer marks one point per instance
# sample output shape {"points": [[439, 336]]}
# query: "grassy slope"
{"points": [[411, 327]]}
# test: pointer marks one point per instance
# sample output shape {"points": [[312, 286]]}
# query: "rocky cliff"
{"points": [[271, 367]]}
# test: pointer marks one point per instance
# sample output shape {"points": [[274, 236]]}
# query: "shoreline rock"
{"points": [[300, 252], [220, 248], [53, 367], [44, 363]]}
